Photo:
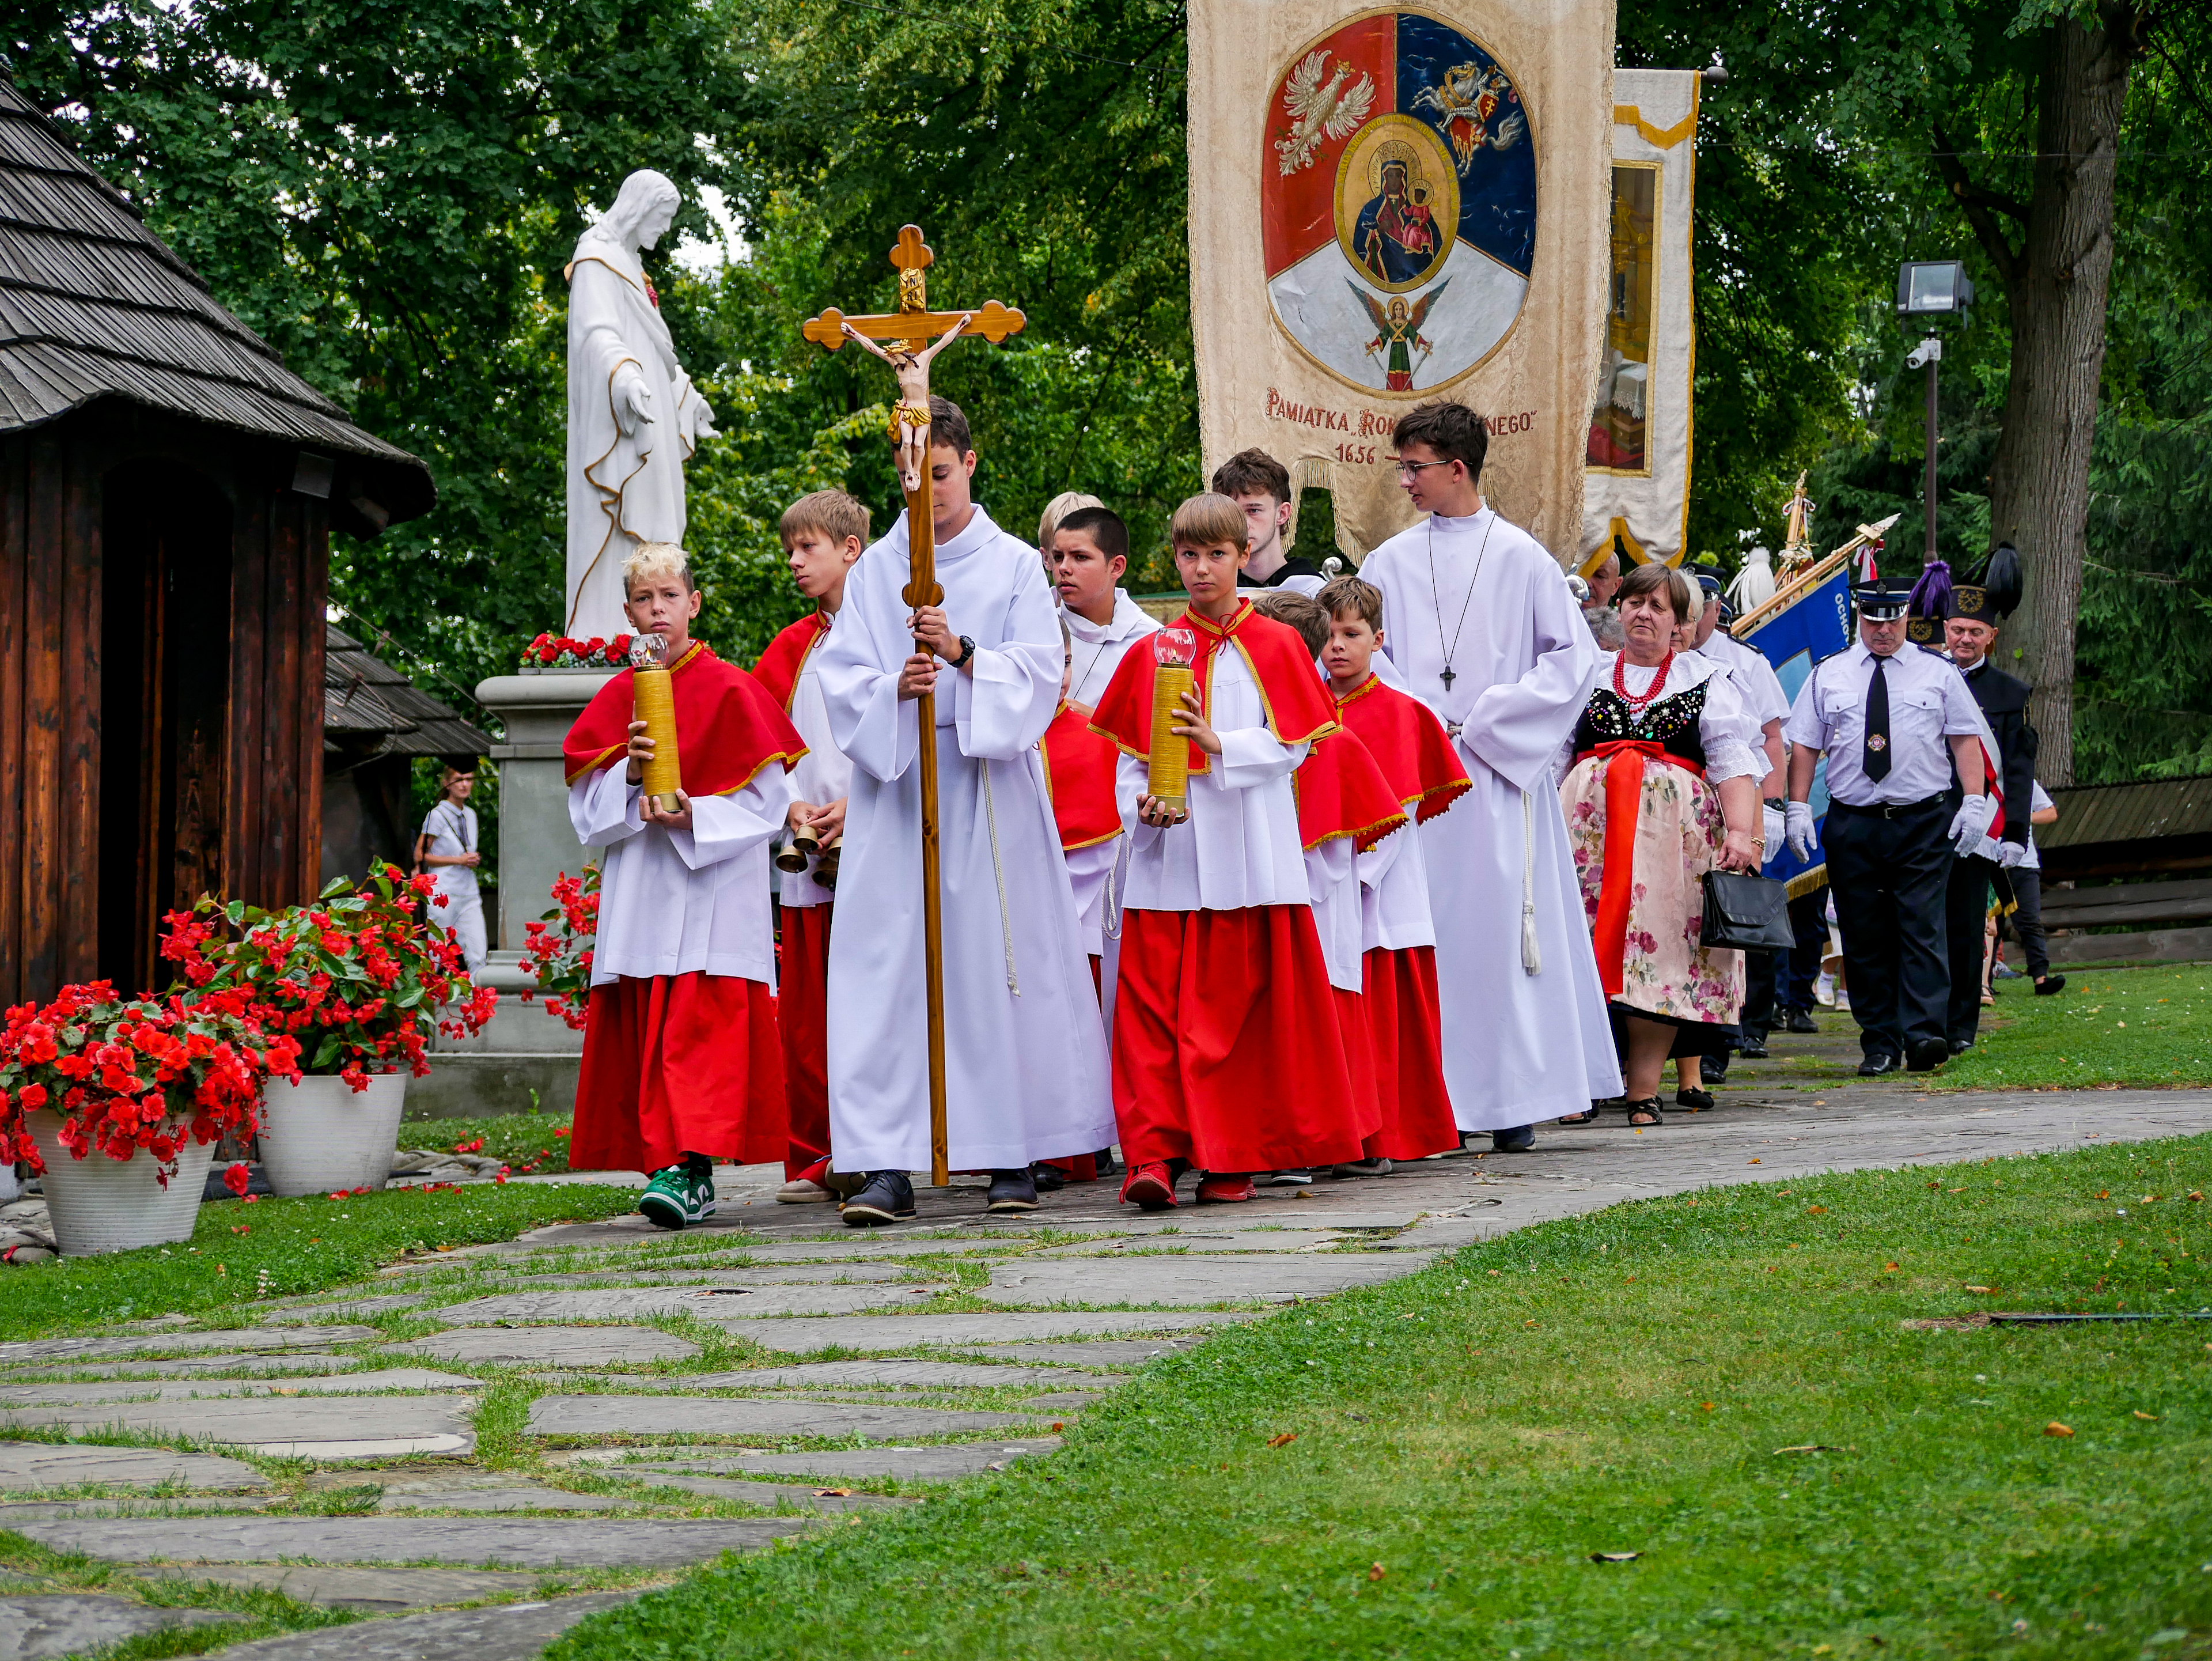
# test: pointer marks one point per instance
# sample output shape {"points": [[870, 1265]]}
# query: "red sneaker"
{"points": [[1148, 1187], [1221, 1188]]}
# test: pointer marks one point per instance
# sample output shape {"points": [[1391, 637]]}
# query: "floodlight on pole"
{"points": [[1928, 292]]}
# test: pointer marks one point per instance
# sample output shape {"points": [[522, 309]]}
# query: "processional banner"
{"points": [[1793, 631], [1637, 501], [1388, 206]]}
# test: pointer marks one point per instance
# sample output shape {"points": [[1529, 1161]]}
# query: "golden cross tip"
{"points": [[912, 254]]}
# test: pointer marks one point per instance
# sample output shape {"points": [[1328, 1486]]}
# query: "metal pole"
{"points": [[1935, 362]]}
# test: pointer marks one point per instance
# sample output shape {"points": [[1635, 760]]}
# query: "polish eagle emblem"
{"points": [[1319, 109], [1467, 104]]}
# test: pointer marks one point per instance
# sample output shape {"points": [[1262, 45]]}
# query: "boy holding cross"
{"points": [[1025, 1056]]}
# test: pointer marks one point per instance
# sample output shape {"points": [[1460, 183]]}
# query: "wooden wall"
{"points": [[54, 485]]}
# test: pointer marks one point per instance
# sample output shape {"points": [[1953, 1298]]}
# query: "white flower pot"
{"points": [[320, 1136], [98, 1204]]}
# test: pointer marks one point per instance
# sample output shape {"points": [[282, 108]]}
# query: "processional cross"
{"points": [[909, 329]]}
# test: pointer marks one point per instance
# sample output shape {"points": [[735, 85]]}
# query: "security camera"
{"points": [[1929, 350]]}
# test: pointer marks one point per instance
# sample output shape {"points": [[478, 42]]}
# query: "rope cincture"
{"points": [[999, 872], [1532, 955]]}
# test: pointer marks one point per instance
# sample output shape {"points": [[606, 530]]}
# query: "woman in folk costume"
{"points": [[1398, 934], [1226, 1053], [823, 534], [1664, 787], [682, 1061], [1024, 1056]]}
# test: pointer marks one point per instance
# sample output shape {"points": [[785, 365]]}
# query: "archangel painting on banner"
{"points": [[1391, 205], [1637, 501]]}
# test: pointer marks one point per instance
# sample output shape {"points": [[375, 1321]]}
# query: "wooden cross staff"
{"points": [[911, 329]]}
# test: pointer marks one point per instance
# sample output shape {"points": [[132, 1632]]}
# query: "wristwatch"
{"points": [[967, 651]]}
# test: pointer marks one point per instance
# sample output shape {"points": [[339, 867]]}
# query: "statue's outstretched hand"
{"points": [[635, 400], [702, 420]]}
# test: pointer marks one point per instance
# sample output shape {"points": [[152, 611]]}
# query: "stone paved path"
{"points": [[545, 1426]]}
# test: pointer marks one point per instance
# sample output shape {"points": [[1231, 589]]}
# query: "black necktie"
{"points": [[1877, 724]]}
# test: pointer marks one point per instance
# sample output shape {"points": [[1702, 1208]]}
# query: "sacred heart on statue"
{"points": [[1398, 201]]}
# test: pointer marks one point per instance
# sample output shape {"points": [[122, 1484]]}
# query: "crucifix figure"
{"points": [[910, 329]]}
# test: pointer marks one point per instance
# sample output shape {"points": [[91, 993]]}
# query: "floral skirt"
{"points": [[1665, 972]]}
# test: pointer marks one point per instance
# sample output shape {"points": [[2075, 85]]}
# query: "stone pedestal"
{"points": [[525, 1059]]}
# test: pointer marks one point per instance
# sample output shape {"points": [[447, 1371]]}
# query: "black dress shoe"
{"points": [[1875, 1065], [1753, 1049], [1697, 1101], [1960, 1046], [887, 1197], [1712, 1069], [1519, 1140], [1926, 1055], [1801, 1020], [1048, 1178], [1012, 1190], [2050, 985]]}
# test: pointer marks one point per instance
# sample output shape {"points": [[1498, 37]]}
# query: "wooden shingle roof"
{"points": [[365, 699], [94, 304]]}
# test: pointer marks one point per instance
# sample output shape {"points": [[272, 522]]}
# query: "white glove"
{"points": [[1972, 823], [1797, 818], [2010, 854], [1774, 829]]}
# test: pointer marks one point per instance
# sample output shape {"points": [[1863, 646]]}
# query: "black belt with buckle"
{"points": [[1888, 809]]}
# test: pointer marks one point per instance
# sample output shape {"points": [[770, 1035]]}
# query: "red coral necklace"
{"points": [[1638, 705]]}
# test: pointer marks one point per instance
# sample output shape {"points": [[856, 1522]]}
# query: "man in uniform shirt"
{"points": [[1893, 724], [1970, 629]]}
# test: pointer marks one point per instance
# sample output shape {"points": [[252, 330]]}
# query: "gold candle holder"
{"points": [[1168, 775], [654, 696]]}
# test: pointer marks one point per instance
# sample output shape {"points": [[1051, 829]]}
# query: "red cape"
{"points": [[1342, 793], [727, 726], [1078, 776], [1409, 743], [778, 667], [1298, 707]]}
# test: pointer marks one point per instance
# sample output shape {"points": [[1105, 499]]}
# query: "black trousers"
{"points": [[1889, 876], [1797, 971], [2025, 884], [1965, 920]]}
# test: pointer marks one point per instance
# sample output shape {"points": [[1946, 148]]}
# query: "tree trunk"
{"points": [[2057, 288]]}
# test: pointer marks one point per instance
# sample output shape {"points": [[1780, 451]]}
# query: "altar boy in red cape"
{"points": [[822, 535], [1397, 934], [682, 1061], [1226, 1056]]}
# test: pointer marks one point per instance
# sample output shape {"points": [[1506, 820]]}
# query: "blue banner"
{"points": [[1813, 622]]}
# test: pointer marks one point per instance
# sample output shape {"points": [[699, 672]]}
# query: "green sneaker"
{"points": [[674, 1199]]}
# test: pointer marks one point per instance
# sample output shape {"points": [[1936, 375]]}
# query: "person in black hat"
{"points": [[1894, 725], [1970, 629]]}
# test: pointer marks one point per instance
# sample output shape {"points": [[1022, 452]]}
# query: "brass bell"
{"points": [[805, 843]]}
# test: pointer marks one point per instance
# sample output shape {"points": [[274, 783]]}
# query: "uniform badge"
{"points": [[1876, 742]]}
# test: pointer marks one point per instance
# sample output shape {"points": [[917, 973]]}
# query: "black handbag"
{"points": [[1745, 912]]}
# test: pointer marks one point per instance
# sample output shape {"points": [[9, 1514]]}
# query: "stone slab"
{"points": [[257, 1339], [1254, 1239], [374, 1591], [25, 1465], [865, 1247], [764, 1493], [547, 1543], [706, 1303], [1190, 1281], [756, 1419], [46, 1510], [508, 1632], [572, 1346], [1100, 1352], [368, 1304], [516, 1496], [307, 1428], [334, 1384], [894, 1332], [68, 1624], [937, 1465], [896, 1374], [186, 1367], [828, 1273]]}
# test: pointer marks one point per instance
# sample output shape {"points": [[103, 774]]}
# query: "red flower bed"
{"points": [[564, 652], [558, 953], [127, 1074], [357, 977]]}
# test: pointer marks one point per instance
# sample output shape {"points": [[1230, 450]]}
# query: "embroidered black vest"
{"points": [[1672, 721]]}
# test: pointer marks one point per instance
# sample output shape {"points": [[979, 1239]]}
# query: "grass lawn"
{"points": [[1721, 1383], [273, 1248], [533, 1143], [2145, 1027]]}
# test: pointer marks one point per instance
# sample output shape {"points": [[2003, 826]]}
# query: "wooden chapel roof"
{"points": [[94, 304]]}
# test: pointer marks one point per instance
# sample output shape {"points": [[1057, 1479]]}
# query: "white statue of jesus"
{"points": [[635, 417]]}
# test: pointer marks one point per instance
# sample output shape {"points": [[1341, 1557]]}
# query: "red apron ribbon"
{"points": [[1624, 761]]}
